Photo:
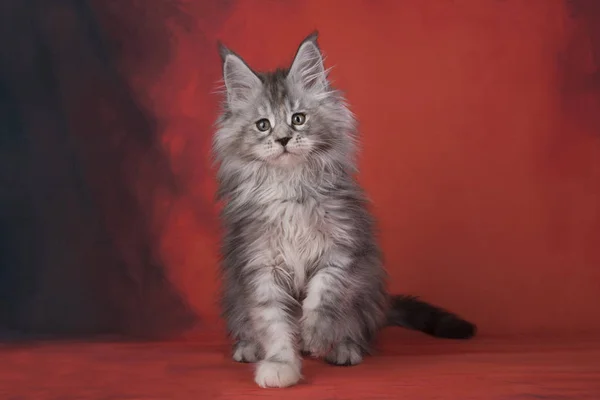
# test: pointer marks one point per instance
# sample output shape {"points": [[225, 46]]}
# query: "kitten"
{"points": [[302, 271]]}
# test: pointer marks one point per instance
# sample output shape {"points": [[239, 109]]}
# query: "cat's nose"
{"points": [[283, 140]]}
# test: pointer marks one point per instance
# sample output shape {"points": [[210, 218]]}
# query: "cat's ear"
{"points": [[307, 68], [241, 83]]}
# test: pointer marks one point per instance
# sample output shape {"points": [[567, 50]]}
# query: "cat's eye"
{"points": [[263, 125], [298, 119]]}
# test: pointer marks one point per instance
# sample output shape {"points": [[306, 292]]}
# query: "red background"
{"points": [[480, 135], [480, 122]]}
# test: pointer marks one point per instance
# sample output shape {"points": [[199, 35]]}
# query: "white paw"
{"points": [[277, 374]]}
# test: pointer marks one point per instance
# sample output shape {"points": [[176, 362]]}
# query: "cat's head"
{"points": [[287, 118]]}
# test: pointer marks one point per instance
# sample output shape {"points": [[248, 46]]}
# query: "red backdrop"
{"points": [[481, 143]]}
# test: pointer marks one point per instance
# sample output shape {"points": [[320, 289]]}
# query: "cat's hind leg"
{"points": [[246, 347], [247, 351], [345, 354]]}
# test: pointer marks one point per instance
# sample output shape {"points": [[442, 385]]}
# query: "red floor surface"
{"points": [[408, 366]]}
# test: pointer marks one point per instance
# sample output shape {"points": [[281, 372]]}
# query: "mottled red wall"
{"points": [[481, 144]]}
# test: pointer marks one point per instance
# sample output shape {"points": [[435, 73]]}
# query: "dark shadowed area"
{"points": [[81, 163]]}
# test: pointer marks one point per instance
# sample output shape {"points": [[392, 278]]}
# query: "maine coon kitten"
{"points": [[301, 267]]}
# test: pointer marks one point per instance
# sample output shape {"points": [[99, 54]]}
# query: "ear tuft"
{"points": [[312, 37], [223, 51], [308, 69], [241, 82]]}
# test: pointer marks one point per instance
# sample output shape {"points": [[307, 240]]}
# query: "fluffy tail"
{"points": [[412, 313]]}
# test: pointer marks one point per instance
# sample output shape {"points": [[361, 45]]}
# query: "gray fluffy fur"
{"points": [[302, 271]]}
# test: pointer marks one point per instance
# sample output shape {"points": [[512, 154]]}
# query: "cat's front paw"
{"points": [[318, 334], [277, 374]]}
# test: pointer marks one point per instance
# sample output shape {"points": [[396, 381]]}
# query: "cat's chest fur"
{"points": [[296, 230]]}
